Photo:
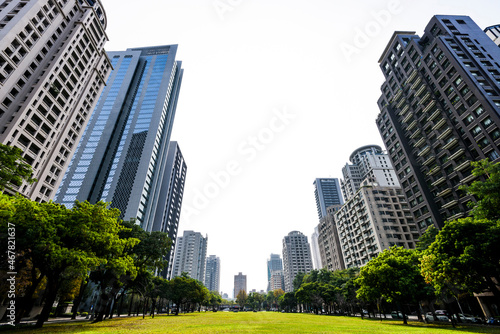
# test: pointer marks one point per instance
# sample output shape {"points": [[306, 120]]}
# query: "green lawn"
{"points": [[251, 322]]}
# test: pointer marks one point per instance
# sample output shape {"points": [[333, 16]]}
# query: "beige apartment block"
{"points": [[52, 69]]}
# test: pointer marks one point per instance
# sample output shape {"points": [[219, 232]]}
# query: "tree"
{"points": [[297, 280], [58, 242], [241, 299], [13, 168], [392, 276], [487, 191], [464, 257]]}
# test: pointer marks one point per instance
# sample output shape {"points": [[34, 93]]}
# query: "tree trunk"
{"points": [[78, 299], [52, 287], [130, 304], [27, 301]]}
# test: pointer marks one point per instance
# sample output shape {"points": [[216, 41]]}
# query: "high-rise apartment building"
{"points": [[52, 69], [327, 193], [328, 241], [439, 110], [190, 255], [274, 267], [240, 284], [369, 164], [212, 273], [296, 257]]}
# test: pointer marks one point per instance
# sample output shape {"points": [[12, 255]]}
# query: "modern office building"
{"points": [[212, 273], [439, 110], [274, 265], [52, 69], [329, 246], [370, 164], [327, 193], [240, 284], [190, 255], [296, 257]]}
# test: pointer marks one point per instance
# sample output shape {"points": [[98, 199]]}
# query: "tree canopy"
{"points": [[13, 167]]}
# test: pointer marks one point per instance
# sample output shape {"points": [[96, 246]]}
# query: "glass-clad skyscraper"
{"points": [[122, 157]]}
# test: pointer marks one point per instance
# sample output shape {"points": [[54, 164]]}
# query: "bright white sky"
{"points": [[269, 102]]}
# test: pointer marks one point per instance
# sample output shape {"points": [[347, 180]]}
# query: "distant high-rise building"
{"points": [[369, 164], [190, 255], [277, 281], [296, 257], [240, 284], [327, 193], [212, 273], [439, 110], [52, 70], [274, 264]]}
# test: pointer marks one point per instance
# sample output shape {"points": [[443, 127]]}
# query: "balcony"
{"points": [[462, 165], [434, 114], [434, 170], [457, 154], [412, 76], [468, 178], [404, 110], [407, 118], [452, 142], [444, 192], [429, 106], [398, 94], [412, 125], [444, 134], [456, 216], [425, 98], [428, 161], [439, 124], [415, 84], [400, 103], [438, 181], [424, 150], [420, 142], [415, 134], [450, 204], [420, 90]]}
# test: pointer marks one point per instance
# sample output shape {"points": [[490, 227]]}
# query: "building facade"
{"points": [[439, 110], [274, 268], [212, 273], [52, 70], [240, 284], [315, 252], [190, 255], [296, 257]]}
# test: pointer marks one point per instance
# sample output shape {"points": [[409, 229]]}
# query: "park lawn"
{"points": [[251, 322]]}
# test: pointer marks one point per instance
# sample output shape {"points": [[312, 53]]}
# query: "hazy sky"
{"points": [[275, 94]]}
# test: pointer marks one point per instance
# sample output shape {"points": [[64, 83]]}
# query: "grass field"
{"points": [[251, 322]]}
